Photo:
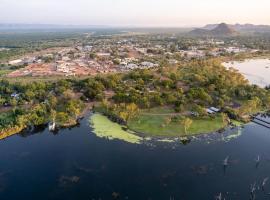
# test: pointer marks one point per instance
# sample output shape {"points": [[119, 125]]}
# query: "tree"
{"points": [[187, 122], [105, 104], [2, 101], [200, 110], [132, 110], [250, 106], [168, 120], [13, 102], [73, 108], [38, 115], [92, 55], [224, 118], [124, 115], [53, 114], [52, 100], [62, 117]]}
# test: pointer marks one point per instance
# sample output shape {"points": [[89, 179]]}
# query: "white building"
{"points": [[63, 67], [16, 62]]}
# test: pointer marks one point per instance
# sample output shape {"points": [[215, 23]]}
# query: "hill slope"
{"points": [[218, 30], [242, 27]]}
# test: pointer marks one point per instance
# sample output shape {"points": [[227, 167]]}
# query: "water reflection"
{"points": [[257, 71], [258, 160], [40, 129], [32, 131], [65, 181], [76, 164]]}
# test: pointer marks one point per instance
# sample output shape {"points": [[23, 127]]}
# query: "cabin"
{"points": [[209, 111], [15, 95], [212, 110], [216, 110], [16, 62]]}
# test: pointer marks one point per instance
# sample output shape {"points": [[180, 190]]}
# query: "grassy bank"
{"points": [[156, 124]]}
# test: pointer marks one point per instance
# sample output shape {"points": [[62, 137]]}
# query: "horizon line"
{"points": [[120, 26]]}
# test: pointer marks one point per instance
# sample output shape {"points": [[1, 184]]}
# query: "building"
{"points": [[16, 62]]}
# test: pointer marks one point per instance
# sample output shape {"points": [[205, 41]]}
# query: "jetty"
{"points": [[260, 121]]}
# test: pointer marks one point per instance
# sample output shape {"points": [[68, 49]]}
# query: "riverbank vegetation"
{"points": [[183, 95], [24, 105], [163, 101]]}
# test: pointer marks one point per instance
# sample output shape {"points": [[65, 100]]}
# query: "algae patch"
{"points": [[105, 128], [234, 135]]}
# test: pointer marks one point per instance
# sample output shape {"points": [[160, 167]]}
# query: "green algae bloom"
{"points": [[234, 135], [105, 128]]}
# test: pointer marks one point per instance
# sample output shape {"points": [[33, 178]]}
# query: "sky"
{"points": [[169, 13]]}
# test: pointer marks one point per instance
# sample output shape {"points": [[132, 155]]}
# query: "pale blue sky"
{"points": [[135, 12]]}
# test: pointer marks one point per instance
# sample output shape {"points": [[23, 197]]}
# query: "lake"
{"points": [[257, 71], [76, 164]]}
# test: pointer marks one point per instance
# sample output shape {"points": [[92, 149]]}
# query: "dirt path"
{"points": [[162, 114], [87, 108], [9, 108]]}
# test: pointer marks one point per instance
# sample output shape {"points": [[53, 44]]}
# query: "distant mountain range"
{"points": [[242, 27], [224, 29], [215, 30]]}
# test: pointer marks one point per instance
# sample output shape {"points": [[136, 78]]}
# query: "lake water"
{"points": [[76, 164], [257, 71]]}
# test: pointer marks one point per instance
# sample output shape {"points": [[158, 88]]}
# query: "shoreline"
{"points": [[5, 133], [147, 135], [10, 132], [230, 131], [88, 109]]}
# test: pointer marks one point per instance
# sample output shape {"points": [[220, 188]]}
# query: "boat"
{"points": [[52, 126]]}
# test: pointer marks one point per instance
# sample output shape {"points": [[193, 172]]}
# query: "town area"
{"points": [[98, 54]]}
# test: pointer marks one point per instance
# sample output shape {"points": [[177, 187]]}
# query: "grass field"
{"points": [[4, 72], [154, 124]]}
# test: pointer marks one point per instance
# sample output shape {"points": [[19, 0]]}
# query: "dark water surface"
{"points": [[75, 164]]}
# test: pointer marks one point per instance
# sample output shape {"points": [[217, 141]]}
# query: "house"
{"points": [[132, 66], [209, 111], [103, 54], [15, 95], [148, 65], [63, 67], [214, 109], [16, 62], [173, 61]]}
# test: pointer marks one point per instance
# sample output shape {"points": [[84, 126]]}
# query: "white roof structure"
{"points": [[214, 109], [209, 111]]}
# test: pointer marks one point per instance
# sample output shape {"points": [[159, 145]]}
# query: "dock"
{"points": [[261, 122]]}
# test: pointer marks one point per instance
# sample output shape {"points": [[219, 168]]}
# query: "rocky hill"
{"points": [[221, 30]]}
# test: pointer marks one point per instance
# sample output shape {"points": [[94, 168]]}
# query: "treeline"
{"points": [[21, 43], [192, 86], [38, 103]]}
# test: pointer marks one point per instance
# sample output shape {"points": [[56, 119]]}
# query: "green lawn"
{"points": [[4, 72], [154, 125], [159, 110]]}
